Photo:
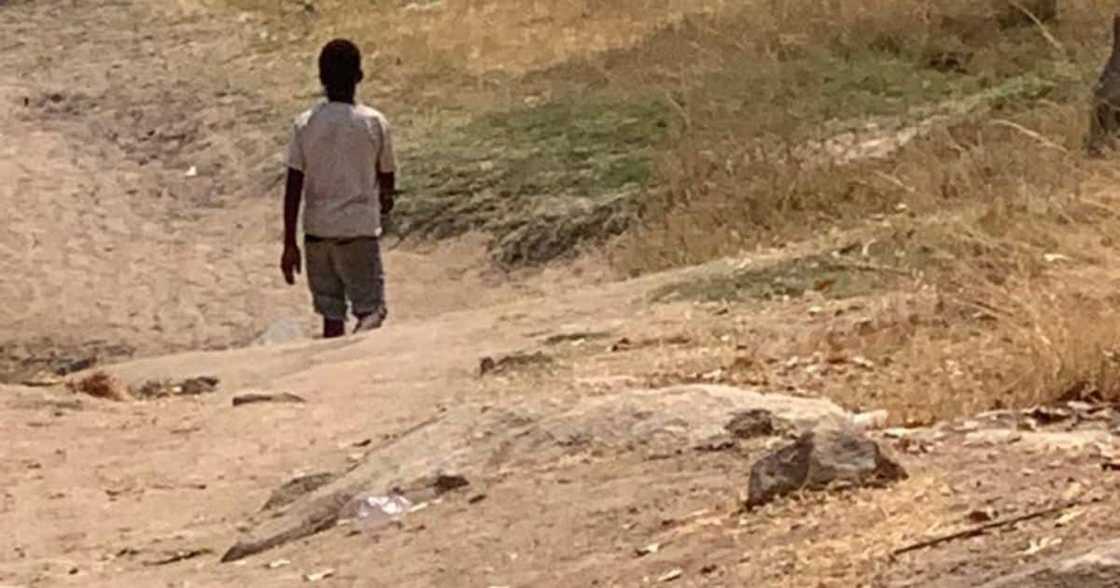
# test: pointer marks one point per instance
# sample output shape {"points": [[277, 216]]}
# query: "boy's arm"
{"points": [[387, 182], [387, 167], [293, 193]]}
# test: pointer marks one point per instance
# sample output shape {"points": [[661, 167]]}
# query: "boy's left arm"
{"points": [[387, 181], [387, 169]]}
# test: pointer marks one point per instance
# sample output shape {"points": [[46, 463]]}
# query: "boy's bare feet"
{"points": [[370, 322]]}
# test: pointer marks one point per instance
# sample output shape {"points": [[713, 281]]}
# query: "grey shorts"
{"points": [[341, 271]]}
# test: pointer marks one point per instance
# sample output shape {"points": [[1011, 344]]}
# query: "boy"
{"points": [[341, 159]]}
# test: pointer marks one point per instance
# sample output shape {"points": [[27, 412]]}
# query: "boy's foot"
{"points": [[370, 322]]}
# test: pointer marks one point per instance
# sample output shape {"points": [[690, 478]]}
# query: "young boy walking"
{"points": [[341, 164]]}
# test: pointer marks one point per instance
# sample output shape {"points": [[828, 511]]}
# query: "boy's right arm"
{"points": [[293, 193]]}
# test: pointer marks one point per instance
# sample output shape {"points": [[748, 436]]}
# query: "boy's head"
{"points": [[340, 66]]}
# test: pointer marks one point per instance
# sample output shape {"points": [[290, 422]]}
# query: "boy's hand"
{"points": [[290, 263], [386, 204]]}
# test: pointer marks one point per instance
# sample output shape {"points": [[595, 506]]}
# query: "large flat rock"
{"points": [[478, 441]]}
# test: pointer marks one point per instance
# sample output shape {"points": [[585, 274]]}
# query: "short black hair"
{"points": [[340, 65]]}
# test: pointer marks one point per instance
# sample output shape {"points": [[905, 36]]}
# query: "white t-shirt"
{"points": [[340, 148]]}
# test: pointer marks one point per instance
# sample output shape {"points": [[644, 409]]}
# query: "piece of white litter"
{"points": [[317, 576], [280, 563], [192, 172]]}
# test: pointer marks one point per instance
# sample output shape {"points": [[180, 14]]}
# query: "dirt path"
{"points": [[141, 166]]}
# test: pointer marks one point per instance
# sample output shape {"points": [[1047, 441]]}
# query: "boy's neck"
{"points": [[344, 96]]}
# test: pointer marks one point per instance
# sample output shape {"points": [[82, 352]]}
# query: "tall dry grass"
{"points": [[1001, 200]]}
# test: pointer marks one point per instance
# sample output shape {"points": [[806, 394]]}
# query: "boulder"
{"points": [[819, 459]]}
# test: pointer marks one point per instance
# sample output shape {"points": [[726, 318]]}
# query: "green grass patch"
{"points": [[541, 179]]}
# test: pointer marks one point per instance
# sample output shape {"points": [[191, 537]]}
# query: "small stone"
{"points": [[671, 575], [648, 549], [317, 576]]}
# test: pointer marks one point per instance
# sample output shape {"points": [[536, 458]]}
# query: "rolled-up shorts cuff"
{"points": [[329, 308]]}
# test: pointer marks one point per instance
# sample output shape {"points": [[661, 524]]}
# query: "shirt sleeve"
{"points": [[295, 158], [386, 156]]}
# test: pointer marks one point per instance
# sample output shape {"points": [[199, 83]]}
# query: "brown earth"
{"points": [[111, 249]]}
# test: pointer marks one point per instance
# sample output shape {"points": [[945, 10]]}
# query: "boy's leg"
{"points": [[359, 264], [328, 293], [333, 328]]}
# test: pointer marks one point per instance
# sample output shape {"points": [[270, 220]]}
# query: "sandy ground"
{"points": [[109, 244]]}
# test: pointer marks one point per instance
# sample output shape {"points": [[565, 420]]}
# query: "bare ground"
{"points": [[109, 245]]}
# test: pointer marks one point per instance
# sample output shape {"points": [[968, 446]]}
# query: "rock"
{"points": [[1098, 567], [819, 459], [280, 332]]}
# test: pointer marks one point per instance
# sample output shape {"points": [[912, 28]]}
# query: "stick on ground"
{"points": [[981, 529]]}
